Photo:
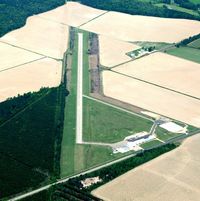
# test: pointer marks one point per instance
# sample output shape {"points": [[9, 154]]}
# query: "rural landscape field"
{"points": [[92, 90]]}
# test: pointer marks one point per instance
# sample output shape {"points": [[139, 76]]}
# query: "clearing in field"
{"points": [[113, 52], [159, 68], [13, 57], [143, 28], [173, 175], [152, 98], [30, 77], [186, 53], [72, 13], [42, 36]]}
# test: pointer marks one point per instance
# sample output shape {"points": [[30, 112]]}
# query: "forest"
{"points": [[137, 7], [31, 134], [13, 13]]}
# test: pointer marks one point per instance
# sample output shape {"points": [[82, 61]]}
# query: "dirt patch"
{"points": [[94, 63], [172, 176]]}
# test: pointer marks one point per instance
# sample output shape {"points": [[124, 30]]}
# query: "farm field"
{"points": [[102, 123], [18, 56], [30, 77], [154, 68], [195, 44], [186, 53], [72, 13], [146, 96], [128, 27], [179, 182], [36, 41], [113, 52]]}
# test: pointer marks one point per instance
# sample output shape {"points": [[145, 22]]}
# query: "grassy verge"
{"points": [[150, 144], [103, 123], [188, 53]]}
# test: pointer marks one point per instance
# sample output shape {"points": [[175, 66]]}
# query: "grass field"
{"points": [[189, 53], [195, 44], [165, 135], [150, 144], [27, 142], [103, 123]]}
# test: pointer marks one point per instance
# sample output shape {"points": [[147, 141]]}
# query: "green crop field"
{"points": [[27, 142], [195, 44], [150, 144], [103, 123], [188, 53], [165, 135]]}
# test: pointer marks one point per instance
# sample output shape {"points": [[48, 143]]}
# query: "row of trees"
{"points": [[137, 7], [187, 4], [188, 40]]}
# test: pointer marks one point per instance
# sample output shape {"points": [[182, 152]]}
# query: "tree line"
{"points": [[137, 7]]}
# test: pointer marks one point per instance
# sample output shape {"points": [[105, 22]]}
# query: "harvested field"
{"points": [[41, 36], [152, 98], [72, 13], [159, 68], [11, 56], [29, 77], [173, 176], [113, 52], [142, 28]]}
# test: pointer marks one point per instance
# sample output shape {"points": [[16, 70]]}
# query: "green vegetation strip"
{"points": [[151, 144], [103, 123], [188, 53]]}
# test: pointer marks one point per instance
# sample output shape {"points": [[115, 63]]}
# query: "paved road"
{"points": [[116, 107], [79, 106]]}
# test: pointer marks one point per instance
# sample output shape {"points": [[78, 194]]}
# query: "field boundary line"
{"points": [[17, 66], [117, 107], [157, 85], [47, 19], [32, 51], [92, 19]]}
